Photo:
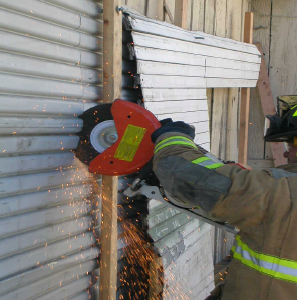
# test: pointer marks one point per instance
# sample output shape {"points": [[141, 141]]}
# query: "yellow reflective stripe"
{"points": [[268, 258], [258, 260], [214, 166], [200, 160], [174, 138], [264, 271], [175, 143]]}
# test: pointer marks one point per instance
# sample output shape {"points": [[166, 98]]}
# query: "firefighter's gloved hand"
{"points": [[180, 127]]}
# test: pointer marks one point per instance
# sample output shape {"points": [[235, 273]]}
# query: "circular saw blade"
{"points": [[92, 118]]}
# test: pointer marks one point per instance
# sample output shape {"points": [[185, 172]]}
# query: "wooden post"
{"points": [[245, 97], [181, 11], [112, 73], [269, 108], [155, 9]]}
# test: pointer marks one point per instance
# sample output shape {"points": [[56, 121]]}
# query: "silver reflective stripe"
{"points": [[269, 265], [265, 264], [181, 141], [207, 163]]}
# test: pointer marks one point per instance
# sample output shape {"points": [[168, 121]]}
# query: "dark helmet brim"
{"points": [[281, 137]]}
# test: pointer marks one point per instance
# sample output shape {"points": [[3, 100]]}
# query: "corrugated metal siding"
{"points": [[173, 68], [50, 72]]}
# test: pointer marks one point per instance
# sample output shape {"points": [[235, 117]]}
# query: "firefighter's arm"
{"points": [[227, 192]]}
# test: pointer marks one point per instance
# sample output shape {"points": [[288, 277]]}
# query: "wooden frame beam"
{"points": [[181, 13], [245, 97], [112, 73], [269, 108]]}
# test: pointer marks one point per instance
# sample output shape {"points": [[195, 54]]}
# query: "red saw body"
{"points": [[134, 148]]}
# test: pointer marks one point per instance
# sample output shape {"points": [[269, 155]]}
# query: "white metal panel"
{"points": [[232, 82], [21, 85], [165, 82], [48, 215], [53, 14], [20, 203], [32, 182], [22, 105], [151, 54], [156, 95], [177, 106], [84, 7], [29, 125], [39, 256], [13, 165], [46, 271], [159, 42], [231, 73], [140, 24], [30, 46], [18, 64], [223, 63], [189, 117], [155, 68], [47, 31], [201, 137], [37, 144], [53, 282]]}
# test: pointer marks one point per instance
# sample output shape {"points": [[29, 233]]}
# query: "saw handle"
{"points": [[143, 174]]}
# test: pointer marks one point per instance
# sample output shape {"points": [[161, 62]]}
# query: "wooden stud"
{"points": [[181, 12], [269, 108], [112, 72], [245, 97]]}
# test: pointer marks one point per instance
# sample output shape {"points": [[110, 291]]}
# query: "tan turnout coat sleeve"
{"points": [[262, 204]]}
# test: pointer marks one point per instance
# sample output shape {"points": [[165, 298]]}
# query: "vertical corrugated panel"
{"points": [[50, 72]]}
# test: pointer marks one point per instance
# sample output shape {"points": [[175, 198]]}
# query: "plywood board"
{"points": [[198, 15], [155, 9], [138, 5], [209, 16], [220, 18], [283, 49]]}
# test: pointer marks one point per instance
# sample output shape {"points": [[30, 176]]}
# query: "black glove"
{"points": [[180, 127]]}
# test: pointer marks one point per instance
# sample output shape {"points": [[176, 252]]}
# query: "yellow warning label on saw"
{"points": [[130, 143]]}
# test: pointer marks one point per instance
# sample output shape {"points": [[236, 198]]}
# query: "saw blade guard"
{"points": [[116, 138]]}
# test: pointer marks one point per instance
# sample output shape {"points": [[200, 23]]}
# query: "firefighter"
{"points": [[262, 204]]}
